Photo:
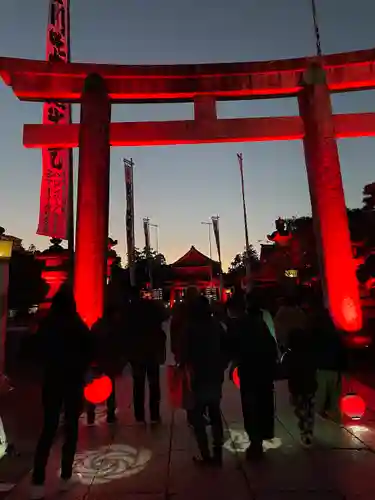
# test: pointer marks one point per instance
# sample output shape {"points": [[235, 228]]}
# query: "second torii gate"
{"points": [[97, 86]]}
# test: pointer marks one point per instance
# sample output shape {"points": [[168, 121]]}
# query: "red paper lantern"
{"points": [[99, 390], [353, 406], [236, 377]]}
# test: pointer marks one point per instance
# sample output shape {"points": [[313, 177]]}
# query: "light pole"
{"points": [[156, 227], [5, 255], [209, 225], [247, 244]]}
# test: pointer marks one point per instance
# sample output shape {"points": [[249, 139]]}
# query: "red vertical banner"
{"points": [[130, 237], [54, 210]]}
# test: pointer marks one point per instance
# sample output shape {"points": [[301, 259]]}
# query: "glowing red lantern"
{"points": [[236, 377], [98, 390], [353, 406]]}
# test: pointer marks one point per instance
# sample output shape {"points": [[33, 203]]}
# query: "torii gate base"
{"points": [[95, 86]]}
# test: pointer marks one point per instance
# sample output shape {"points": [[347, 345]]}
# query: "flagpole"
{"points": [[316, 29], [215, 225], [129, 218], [248, 263], [146, 228], [209, 225], [156, 227], [71, 176]]}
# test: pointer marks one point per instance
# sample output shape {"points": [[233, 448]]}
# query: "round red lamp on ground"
{"points": [[236, 377], [353, 406], [99, 390]]}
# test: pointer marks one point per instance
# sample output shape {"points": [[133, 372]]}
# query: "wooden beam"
{"points": [[194, 132]]}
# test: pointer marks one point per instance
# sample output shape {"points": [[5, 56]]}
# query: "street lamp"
{"points": [[5, 255]]}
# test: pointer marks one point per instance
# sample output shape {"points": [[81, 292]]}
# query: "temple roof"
{"points": [[194, 258]]}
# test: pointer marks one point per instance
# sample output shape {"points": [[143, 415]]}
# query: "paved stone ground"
{"points": [[131, 462]]}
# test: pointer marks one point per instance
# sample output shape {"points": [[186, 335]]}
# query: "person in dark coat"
{"points": [[147, 351], [289, 317], [110, 333], [235, 314], [301, 367], [203, 359], [63, 347], [180, 317], [332, 361], [255, 354], [235, 311]]}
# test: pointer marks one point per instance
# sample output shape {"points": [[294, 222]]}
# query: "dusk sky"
{"points": [[180, 186]]}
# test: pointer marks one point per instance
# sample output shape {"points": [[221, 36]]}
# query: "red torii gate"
{"points": [[97, 86]]}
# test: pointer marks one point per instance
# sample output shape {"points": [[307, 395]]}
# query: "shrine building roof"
{"points": [[193, 258]]}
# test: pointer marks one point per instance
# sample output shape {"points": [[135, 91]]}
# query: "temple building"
{"points": [[194, 269]]}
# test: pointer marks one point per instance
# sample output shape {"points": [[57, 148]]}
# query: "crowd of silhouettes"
{"points": [[204, 342], [299, 345]]}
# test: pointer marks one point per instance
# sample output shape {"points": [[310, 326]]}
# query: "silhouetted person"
{"points": [[110, 334], [166, 326], [301, 366], [180, 317], [5, 447], [219, 313], [202, 357], [235, 308], [235, 314], [64, 349], [289, 317], [146, 353], [332, 360], [255, 354]]}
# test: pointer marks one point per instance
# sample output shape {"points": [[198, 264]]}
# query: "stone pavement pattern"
{"points": [[127, 461]]}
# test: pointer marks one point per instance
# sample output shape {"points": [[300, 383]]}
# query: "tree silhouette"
{"points": [[369, 197], [158, 264], [32, 248], [26, 286], [237, 268], [157, 258]]}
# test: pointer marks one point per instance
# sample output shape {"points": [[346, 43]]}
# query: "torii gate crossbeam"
{"points": [[284, 128]]}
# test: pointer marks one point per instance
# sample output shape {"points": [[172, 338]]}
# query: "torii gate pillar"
{"points": [[328, 202], [93, 200]]}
